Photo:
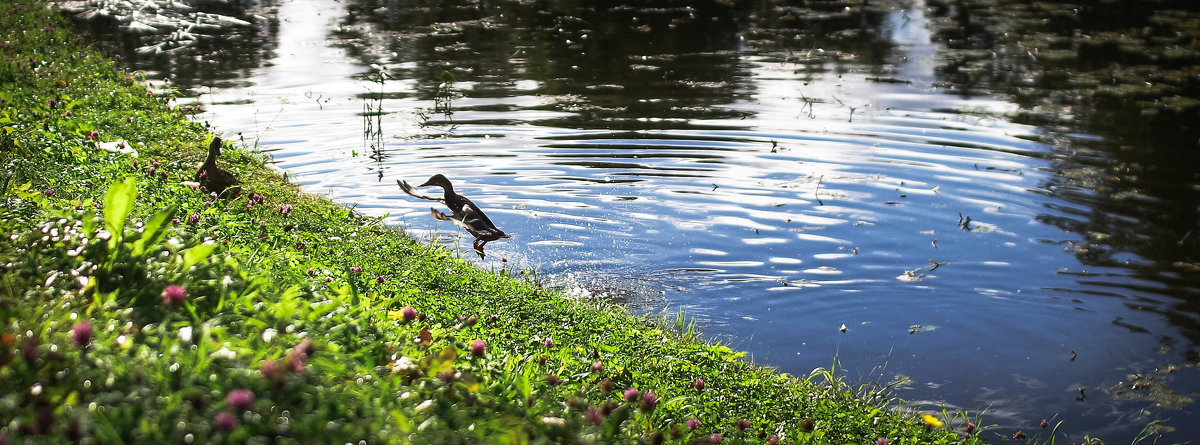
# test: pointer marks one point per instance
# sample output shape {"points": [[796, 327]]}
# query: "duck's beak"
{"points": [[435, 180]]}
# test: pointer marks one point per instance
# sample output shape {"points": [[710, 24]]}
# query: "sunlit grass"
{"points": [[136, 307]]}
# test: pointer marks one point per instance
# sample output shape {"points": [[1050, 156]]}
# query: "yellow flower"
{"points": [[930, 420]]}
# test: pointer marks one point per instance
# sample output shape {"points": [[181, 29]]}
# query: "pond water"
{"points": [[807, 183]]}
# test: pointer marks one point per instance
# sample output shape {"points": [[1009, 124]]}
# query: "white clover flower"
{"points": [[403, 364]]}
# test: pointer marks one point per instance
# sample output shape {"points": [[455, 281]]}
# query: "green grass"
{"points": [[292, 324]]}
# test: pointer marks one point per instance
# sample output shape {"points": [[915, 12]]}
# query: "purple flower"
{"points": [[699, 384], [269, 369], [716, 438], [478, 348], [631, 394], [355, 270], [44, 420], [743, 424], [1044, 424], [194, 218], [295, 360], [882, 441], [48, 192], [380, 279], [693, 423], [409, 313], [29, 351], [773, 440], [552, 380], [240, 399], [970, 427], [173, 295], [225, 421], [81, 334], [597, 367], [305, 347], [594, 416], [285, 209], [649, 401], [547, 342]]}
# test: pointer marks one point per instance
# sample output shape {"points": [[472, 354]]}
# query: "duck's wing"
{"points": [[411, 192], [478, 224], [471, 221], [444, 217], [481, 219]]}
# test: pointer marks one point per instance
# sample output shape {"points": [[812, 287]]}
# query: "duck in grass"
{"points": [[465, 213], [214, 179]]}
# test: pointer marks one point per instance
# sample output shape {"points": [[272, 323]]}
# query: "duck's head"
{"points": [[439, 181], [214, 147]]}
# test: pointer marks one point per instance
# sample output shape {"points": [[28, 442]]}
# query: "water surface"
{"points": [[808, 183]]}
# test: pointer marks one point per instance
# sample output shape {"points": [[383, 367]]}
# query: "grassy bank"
{"points": [[135, 307]]}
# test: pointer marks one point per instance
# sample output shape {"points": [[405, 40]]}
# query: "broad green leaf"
{"points": [[612, 425], [118, 202], [155, 231], [197, 253], [402, 421]]}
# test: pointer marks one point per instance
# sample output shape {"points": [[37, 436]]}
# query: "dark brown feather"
{"points": [[465, 213], [212, 177]]}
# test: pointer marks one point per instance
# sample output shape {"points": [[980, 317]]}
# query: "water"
{"points": [[804, 183]]}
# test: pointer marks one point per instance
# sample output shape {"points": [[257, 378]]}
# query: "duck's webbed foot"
{"points": [[478, 245]]}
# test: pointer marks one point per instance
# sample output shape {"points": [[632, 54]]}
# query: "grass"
{"points": [[135, 307]]}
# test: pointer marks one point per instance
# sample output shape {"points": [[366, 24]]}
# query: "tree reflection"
{"points": [[194, 43], [614, 65], [1125, 71]]}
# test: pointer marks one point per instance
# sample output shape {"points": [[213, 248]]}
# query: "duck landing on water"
{"points": [[214, 179], [465, 212]]}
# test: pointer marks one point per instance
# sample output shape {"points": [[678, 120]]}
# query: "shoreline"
{"points": [[159, 313]]}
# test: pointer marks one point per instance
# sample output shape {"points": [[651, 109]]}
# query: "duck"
{"points": [[213, 178], [464, 212]]}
